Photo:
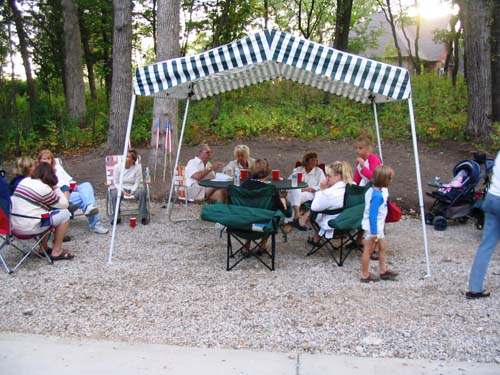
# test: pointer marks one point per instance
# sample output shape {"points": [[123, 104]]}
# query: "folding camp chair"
{"points": [[180, 195], [11, 239], [131, 208], [347, 225], [249, 217]]}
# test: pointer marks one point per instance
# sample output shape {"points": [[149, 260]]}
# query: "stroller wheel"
{"points": [[440, 223], [429, 218]]}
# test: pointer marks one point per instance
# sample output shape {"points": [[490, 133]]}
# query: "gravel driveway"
{"points": [[168, 284]]}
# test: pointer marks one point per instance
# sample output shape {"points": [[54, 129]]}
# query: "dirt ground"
{"points": [[435, 160]]}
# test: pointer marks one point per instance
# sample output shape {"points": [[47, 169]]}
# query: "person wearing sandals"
{"points": [[330, 196], [83, 197], [366, 162], [491, 236], [314, 176], [24, 168], [37, 195], [373, 225], [258, 174]]}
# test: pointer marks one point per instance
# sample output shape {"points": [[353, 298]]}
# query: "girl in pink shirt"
{"points": [[366, 161]]}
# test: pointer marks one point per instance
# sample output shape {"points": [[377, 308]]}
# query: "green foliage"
{"points": [[277, 110], [287, 109], [495, 136]]}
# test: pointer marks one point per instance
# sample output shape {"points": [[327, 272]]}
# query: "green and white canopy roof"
{"points": [[267, 55]]}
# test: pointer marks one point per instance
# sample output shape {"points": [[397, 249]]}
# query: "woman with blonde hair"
{"points": [[330, 197], [242, 161], [24, 168]]}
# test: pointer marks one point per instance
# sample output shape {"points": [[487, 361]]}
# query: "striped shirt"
{"points": [[33, 198]]}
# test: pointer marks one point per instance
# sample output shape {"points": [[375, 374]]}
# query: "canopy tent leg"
{"points": [[179, 146], [419, 185], [377, 129], [125, 148]]}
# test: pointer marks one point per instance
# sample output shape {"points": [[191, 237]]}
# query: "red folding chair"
{"points": [[11, 239]]}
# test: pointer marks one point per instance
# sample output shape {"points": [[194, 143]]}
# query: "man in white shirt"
{"points": [[131, 185], [200, 168]]}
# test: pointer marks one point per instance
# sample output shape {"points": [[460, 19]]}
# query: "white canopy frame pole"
{"points": [[377, 129], [119, 196], [179, 146], [419, 185]]}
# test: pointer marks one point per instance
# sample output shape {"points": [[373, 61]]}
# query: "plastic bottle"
{"points": [[294, 178], [237, 176], [148, 176]]}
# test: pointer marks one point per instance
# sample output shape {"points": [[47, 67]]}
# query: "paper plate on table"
{"points": [[222, 177]]}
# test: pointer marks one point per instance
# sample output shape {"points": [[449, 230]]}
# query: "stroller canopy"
{"points": [[470, 171]]}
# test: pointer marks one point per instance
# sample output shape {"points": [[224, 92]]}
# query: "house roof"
{"points": [[428, 49], [268, 55]]}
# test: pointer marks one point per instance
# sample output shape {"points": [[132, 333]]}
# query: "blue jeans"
{"points": [[491, 235], [83, 197]]}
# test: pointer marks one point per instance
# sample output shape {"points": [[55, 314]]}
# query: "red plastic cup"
{"points": [[133, 222], [45, 222], [244, 174], [72, 185], [299, 177], [276, 174]]}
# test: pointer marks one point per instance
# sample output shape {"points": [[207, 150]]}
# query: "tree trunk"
{"points": [[456, 57], [390, 18], [417, 37], [165, 109], [121, 87], [89, 61], [23, 46], [342, 24], [495, 59], [75, 88], [108, 60], [478, 65]]}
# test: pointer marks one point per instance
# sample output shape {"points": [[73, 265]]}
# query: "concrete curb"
{"points": [[43, 355]]}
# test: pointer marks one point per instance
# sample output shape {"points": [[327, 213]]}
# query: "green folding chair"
{"points": [[249, 217], [347, 225]]}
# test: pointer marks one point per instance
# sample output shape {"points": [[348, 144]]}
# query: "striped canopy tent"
{"points": [[269, 55]]}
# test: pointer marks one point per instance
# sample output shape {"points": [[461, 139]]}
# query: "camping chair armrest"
{"points": [[242, 217], [349, 218]]}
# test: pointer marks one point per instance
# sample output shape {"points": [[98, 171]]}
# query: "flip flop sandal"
{"points": [[311, 242], [65, 255], [295, 224], [475, 295], [48, 251], [371, 278]]}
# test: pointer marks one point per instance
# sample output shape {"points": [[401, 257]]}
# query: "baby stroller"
{"points": [[461, 199]]}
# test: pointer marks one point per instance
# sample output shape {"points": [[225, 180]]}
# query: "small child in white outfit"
{"points": [[373, 225]]}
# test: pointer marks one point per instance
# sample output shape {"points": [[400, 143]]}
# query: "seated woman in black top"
{"points": [[258, 173]]}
